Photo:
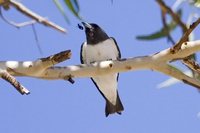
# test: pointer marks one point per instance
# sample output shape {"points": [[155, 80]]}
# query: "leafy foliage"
{"points": [[72, 5], [163, 32], [59, 6], [196, 3]]}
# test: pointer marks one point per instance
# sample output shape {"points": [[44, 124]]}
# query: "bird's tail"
{"points": [[117, 108]]}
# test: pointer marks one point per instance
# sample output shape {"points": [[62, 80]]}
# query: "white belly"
{"points": [[107, 50]]}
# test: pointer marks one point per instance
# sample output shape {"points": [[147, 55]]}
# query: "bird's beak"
{"points": [[86, 25]]}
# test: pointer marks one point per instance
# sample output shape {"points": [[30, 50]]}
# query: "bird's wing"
{"points": [[107, 86], [117, 47], [82, 54], [118, 53]]}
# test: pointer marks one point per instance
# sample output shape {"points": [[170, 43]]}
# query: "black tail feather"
{"points": [[110, 108]]}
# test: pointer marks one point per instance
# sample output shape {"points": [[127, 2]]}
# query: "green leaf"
{"points": [[159, 34], [76, 5], [60, 7], [73, 7], [163, 32], [196, 3]]}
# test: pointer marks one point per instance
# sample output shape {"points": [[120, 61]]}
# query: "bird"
{"points": [[100, 47]]}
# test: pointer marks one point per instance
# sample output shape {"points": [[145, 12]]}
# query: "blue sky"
{"points": [[58, 106]]}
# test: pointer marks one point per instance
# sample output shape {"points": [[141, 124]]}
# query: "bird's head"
{"points": [[94, 33]]}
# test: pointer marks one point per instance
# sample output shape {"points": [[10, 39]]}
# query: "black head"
{"points": [[94, 33]]}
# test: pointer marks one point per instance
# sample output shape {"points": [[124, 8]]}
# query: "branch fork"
{"points": [[9, 69], [44, 68]]}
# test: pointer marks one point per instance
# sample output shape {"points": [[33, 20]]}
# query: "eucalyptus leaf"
{"points": [[196, 3], [171, 81], [76, 5], [60, 7], [73, 7], [159, 34], [163, 32]]}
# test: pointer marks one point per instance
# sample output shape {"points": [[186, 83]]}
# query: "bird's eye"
{"points": [[80, 26], [91, 34]]}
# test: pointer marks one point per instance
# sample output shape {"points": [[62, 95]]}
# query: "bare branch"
{"points": [[57, 58], [185, 36], [177, 19], [107, 67], [44, 68], [9, 78], [175, 16], [17, 25], [192, 64], [24, 10], [29, 68], [163, 16], [186, 31], [168, 70]]}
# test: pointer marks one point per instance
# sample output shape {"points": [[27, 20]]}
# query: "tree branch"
{"points": [[26, 11], [171, 71], [185, 36], [186, 32], [44, 68], [175, 16], [163, 17], [9, 78]]}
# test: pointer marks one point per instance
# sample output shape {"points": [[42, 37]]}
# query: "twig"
{"points": [[36, 39], [9, 78], [169, 37], [20, 7], [185, 36], [17, 25], [69, 78], [176, 18], [57, 58], [192, 64]]}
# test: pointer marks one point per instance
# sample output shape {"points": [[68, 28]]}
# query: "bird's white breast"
{"points": [[105, 50]]}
